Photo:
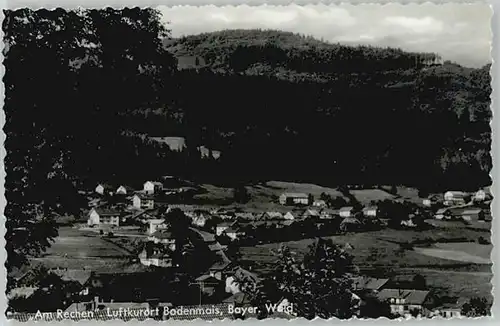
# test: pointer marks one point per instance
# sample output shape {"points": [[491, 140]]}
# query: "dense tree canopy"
{"points": [[86, 88], [67, 75], [320, 285]]}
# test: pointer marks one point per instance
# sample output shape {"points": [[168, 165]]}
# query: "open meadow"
{"points": [[381, 254], [76, 249], [264, 196]]}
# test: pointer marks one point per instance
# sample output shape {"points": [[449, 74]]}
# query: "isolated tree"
{"points": [[74, 68], [476, 307], [419, 282], [320, 285], [373, 307]]}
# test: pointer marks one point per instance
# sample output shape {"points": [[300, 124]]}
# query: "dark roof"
{"points": [[78, 275], [215, 247], [142, 195], [239, 298], [369, 283], [205, 277], [243, 274], [106, 211], [174, 143], [456, 193], [295, 195], [351, 220], [411, 296], [163, 234], [472, 211], [206, 236], [220, 265]]}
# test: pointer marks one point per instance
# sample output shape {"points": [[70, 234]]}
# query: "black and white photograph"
{"points": [[248, 162]]}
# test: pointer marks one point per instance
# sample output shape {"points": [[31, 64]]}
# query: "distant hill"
{"points": [[271, 52]]}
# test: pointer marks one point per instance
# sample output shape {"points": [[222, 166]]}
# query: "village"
{"points": [[146, 224]]}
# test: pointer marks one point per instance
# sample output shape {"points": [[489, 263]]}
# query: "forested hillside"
{"points": [[277, 105], [290, 106]]}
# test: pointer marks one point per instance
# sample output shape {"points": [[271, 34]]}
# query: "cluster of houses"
{"points": [[225, 275], [153, 194], [459, 198]]}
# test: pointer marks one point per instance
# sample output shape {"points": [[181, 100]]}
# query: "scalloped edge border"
{"points": [[495, 124]]}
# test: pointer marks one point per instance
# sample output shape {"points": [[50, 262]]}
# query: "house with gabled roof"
{"points": [[404, 301], [143, 201], [455, 198], [272, 216], [347, 211], [164, 237], [370, 211], [442, 213], [473, 214], [104, 216], [223, 226], [349, 224], [124, 190], [234, 232], [320, 203], [327, 214], [103, 189], [310, 213], [364, 283], [175, 144], [151, 187], [293, 198]]}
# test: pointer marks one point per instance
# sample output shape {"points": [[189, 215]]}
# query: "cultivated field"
{"points": [[75, 249], [380, 253], [365, 196]]}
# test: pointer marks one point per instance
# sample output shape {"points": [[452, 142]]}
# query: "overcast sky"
{"points": [[458, 32]]}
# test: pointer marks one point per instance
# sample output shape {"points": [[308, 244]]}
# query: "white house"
{"points": [[319, 203], [482, 195], [233, 233], [289, 216], [454, 198], [164, 237], [102, 189], [370, 211], [150, 187], [327, 214], [99, 216], [272, 216], [442, 213], [156, 224], [143, 201], [124, 190], [448, 311], [473, 214], [221, 227], [346, 211], [403, 301], [426, 202], [310, 213]]}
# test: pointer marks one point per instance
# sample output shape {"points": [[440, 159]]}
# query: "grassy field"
{"points": [[365, 196], [75, 249], [380, 253], [263, 197]]}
